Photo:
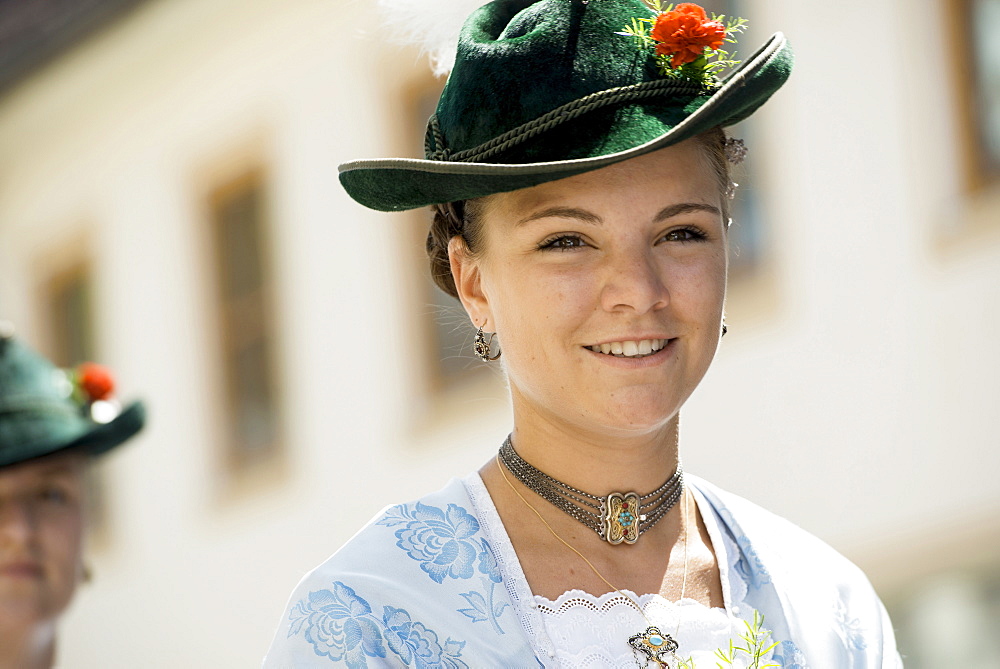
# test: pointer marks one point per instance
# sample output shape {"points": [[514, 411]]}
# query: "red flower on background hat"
{"points": [[95, 381], [684, 33]]}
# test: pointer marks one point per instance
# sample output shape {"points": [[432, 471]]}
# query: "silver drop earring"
{"points": [[481, 346]]}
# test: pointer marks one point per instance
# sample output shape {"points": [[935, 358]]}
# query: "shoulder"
{"points": [[752, 524], [826, 603], [414, 532], [416, 586]]}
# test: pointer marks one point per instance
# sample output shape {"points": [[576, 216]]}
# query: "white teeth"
{"points": [[630, 349]]}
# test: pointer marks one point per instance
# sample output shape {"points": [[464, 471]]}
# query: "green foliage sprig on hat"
{"points": [[686, 41], [93, 388]]}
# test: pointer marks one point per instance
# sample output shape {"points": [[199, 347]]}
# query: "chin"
{"points": [[22, 612], [33, 607], [634, 420]]}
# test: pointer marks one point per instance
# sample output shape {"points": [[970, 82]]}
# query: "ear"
{"points": [[467, 272]]}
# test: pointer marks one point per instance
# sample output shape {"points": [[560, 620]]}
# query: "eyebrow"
{"points": [[588, 217], [59, 470], [56, 470], [53, 476], [562, 212], [685, 208]]}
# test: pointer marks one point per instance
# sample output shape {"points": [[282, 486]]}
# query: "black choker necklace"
{"points": [[617, 517]]}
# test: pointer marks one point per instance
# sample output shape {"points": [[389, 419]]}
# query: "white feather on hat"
{"points": [[430, 25]]}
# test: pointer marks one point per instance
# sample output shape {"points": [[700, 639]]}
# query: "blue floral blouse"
{"points": [[422, 585]]}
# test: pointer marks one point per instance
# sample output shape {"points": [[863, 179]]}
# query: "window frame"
{"points": [[240, 469]]}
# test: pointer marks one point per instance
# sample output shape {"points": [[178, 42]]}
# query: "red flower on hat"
{"points": [[685, 32], [95, 381]]}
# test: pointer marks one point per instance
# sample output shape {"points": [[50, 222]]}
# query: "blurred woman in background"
{"points": [[52, 423]]}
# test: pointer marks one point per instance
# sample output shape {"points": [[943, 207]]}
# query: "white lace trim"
{"points": [[589, 631], [606, 603]]}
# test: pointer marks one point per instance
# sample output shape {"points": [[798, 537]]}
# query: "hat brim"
{"points": [[398, 184], [99, 438]]}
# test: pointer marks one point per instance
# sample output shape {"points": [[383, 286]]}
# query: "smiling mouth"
{"points": [[630, 349]]}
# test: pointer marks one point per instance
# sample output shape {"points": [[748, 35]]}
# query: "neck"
{"points": [[32, 648], [596, 462]]}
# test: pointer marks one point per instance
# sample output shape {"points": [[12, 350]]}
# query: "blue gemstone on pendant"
{"points": [[656, 640]]}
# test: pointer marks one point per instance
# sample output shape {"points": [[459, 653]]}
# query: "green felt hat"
{"points": [[39, 415], [547, 89]]}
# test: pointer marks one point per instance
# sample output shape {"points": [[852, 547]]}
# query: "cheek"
{"points": [[700, 286], [538, 309], [63, 541]]}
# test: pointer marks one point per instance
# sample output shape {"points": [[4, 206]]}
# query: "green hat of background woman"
{"points": [[45, 410], [543, 90]]}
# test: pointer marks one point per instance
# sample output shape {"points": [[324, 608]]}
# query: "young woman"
{"points": [[48, 434], [579, 154]]}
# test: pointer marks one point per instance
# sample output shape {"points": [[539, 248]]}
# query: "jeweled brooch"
{"points": [[654, 645]]}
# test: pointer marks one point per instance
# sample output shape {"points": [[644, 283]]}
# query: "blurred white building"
{"points": [[169, 206]]}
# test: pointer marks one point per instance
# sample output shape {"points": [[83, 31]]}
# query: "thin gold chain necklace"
{"points": [[654, 645]]}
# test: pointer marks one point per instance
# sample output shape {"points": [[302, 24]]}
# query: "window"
{"points": [[949, 619], [444, 325], [977, 71], [69, 315], [239, 235], [67, 299], [746, 236]]}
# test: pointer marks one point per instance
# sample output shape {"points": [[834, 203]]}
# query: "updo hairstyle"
{"points": [[464, 217]]}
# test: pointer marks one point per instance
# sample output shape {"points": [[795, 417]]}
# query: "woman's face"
{"points": [[606, 289], [41, 534]]}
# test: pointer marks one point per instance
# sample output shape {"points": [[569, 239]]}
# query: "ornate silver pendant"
{"points": [[620, 516], [655, 646]]}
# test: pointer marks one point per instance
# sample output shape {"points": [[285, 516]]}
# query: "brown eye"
{"points": [[53, 495], [563, 243], [684, 235]]}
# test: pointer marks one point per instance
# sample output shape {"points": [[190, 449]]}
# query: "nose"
{"points": [[18, 522], [633, 282]]}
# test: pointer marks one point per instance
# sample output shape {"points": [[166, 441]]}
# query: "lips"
{"points": [[632, 348], [19, 570]]}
